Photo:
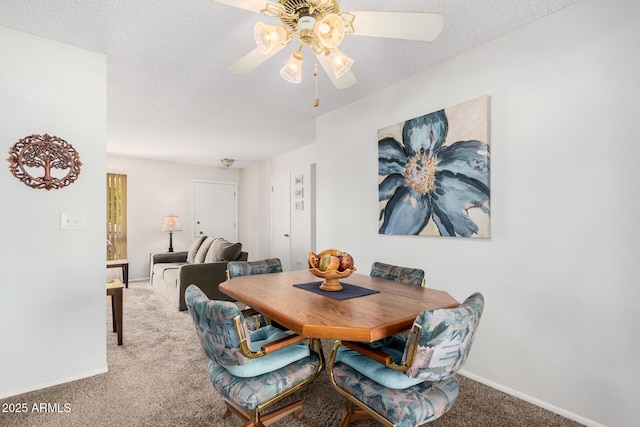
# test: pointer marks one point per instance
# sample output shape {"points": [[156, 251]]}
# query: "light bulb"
{"points": [[330, 31]]}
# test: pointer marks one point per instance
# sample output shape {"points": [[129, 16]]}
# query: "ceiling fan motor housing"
{"points": [[296, 13]]}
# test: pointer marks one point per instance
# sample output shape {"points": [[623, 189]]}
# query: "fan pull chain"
{"points": [[316, 101]]}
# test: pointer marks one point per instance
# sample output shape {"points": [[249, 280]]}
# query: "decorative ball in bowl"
{"points": [[331, 278], [331, 265]]}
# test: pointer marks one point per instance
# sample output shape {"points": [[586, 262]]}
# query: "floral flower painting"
{"points": [[433, 173]]}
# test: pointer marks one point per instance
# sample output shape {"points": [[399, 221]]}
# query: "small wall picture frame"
{"points": [[298, 180], [299, 193], [300, 205]]}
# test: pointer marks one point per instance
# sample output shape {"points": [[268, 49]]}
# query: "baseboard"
{"points": [[542, 404], [54, 383]]}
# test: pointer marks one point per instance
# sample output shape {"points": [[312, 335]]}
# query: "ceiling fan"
{"points": [[321, 25]]}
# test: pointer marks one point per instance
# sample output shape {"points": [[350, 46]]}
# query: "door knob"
{"points": [[202, 232]]}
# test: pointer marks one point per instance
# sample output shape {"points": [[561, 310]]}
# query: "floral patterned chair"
{"points": [[250, 268], [411, 276], [408, 383], [252, 371], [408, 275]]}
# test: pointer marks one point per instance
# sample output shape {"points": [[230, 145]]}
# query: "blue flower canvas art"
{"points": [[433, 173]]}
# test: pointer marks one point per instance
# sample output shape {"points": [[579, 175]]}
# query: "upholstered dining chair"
{"points": [[250, 268], [408, 383], [408, 275], [411, 276], [252, 370]]}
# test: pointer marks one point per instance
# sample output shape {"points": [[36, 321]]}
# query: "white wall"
{"points": [[560, 272], [156, 189], [254, 203], [52, 289]]}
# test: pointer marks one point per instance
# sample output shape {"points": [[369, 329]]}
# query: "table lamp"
{"points": [[171, 223]]}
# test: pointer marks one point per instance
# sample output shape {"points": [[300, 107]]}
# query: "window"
{"points": [[116, 216]]}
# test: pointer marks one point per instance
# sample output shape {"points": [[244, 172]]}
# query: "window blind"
{"points": [[116, 216]]}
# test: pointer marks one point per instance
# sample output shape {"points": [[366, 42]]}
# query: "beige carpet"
{"points": [[159, 378]]}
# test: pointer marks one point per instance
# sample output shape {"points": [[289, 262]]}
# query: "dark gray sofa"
{"points": [[203, 265]]}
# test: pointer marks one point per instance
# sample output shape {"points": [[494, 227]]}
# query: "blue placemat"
{"points": [[348, 291]]}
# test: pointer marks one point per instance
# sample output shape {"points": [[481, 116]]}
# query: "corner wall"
{"points": [[52, 287], [560, 272], [254, 205]]}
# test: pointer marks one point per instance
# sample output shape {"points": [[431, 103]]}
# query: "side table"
{"points": [[114, 289], [121, 263]]}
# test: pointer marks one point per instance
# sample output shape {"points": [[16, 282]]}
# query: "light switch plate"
{"points": [[73, 221]]}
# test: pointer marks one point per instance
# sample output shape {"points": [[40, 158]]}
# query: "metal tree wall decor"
{"points": [[60, 161]]}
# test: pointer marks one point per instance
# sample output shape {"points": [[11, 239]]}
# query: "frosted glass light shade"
{"points": [[267, 37], [339, 62], [330, 31], [292, 70]]}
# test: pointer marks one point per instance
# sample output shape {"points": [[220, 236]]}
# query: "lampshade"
{"points": [[292, 71], [339, 62], [171, 223], [330, 31], [268, 36]]}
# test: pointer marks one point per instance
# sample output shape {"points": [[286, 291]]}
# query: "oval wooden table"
{"points": [[366, 318]]}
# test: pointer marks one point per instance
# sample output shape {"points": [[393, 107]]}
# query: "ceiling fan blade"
{"points": [[251, 60], [421, 26], [344, 82], [250, 5]]}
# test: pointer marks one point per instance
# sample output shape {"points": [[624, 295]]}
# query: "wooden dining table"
{"points": [[365, 318]]}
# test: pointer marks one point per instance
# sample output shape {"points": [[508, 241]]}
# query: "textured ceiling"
{"points": [[169, 96]]}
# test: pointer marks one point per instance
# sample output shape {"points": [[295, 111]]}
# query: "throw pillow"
{"points": [[193, 249], [202, 250], [223, 250]]}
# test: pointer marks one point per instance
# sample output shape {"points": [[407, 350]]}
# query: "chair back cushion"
{"points": [[249, 268], [214, 325], [411, 276], [445, 339]]}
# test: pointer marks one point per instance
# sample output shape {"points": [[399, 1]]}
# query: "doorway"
{"points": [[281, 218], [214, 210]]}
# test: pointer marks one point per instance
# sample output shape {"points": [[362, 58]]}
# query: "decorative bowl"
{"points": [[331, 278]]}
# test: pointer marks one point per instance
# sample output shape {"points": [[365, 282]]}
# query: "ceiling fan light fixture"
{"points": [[330, 30], [267, 37], [339, 62], [292, 70]]}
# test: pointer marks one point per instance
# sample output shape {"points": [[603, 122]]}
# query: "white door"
{"points": [[214, 209], [281, 219]]}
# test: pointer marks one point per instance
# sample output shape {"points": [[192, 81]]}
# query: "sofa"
{"points": [[203, 265]]}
